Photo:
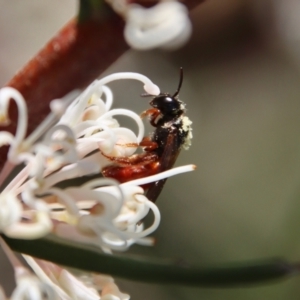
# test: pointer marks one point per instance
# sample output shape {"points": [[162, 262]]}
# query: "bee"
{"points": [[172, 133]]}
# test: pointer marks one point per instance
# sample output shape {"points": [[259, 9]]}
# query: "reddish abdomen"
{"points": [[124, 174]]}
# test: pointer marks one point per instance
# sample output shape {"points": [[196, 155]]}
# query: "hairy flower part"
{"points": [[82, 285], [165, 25], [74, 141], [51, 282], [28, 285]]}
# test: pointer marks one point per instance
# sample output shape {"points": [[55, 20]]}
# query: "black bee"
{"points": [[172, 133]]}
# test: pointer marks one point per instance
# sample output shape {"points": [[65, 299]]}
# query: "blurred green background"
{"points": [[241, 87]]}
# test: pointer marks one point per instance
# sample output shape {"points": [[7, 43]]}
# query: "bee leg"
{"points": [[148, 144], [136, 159], [153, 114]]}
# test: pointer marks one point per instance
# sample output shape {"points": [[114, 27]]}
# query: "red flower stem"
{"points": [[70, 60]]}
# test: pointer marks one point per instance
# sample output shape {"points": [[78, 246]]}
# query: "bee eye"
{"points": [[166, 104]]}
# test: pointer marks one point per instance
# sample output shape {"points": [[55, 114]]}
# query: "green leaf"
{"points": [[90, 258], [90, 9]]}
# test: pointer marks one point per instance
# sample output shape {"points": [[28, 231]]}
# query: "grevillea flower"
{"points": [[74, 141]]}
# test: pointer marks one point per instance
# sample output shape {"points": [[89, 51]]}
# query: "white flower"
{"points": [[72, 142], [101, 211], [52, 282], [28, 286], [82, 286]]}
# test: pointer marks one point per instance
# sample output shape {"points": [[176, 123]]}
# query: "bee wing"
{"points": [[167, 160]]}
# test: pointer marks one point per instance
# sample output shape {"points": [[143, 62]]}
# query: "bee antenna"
{"points": [[180, 83]]}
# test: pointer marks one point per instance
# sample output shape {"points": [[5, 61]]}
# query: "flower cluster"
{"points": [[72, 142]]}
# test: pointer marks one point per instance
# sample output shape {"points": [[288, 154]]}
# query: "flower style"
{"points": [[72, 142], [165, 25]]}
